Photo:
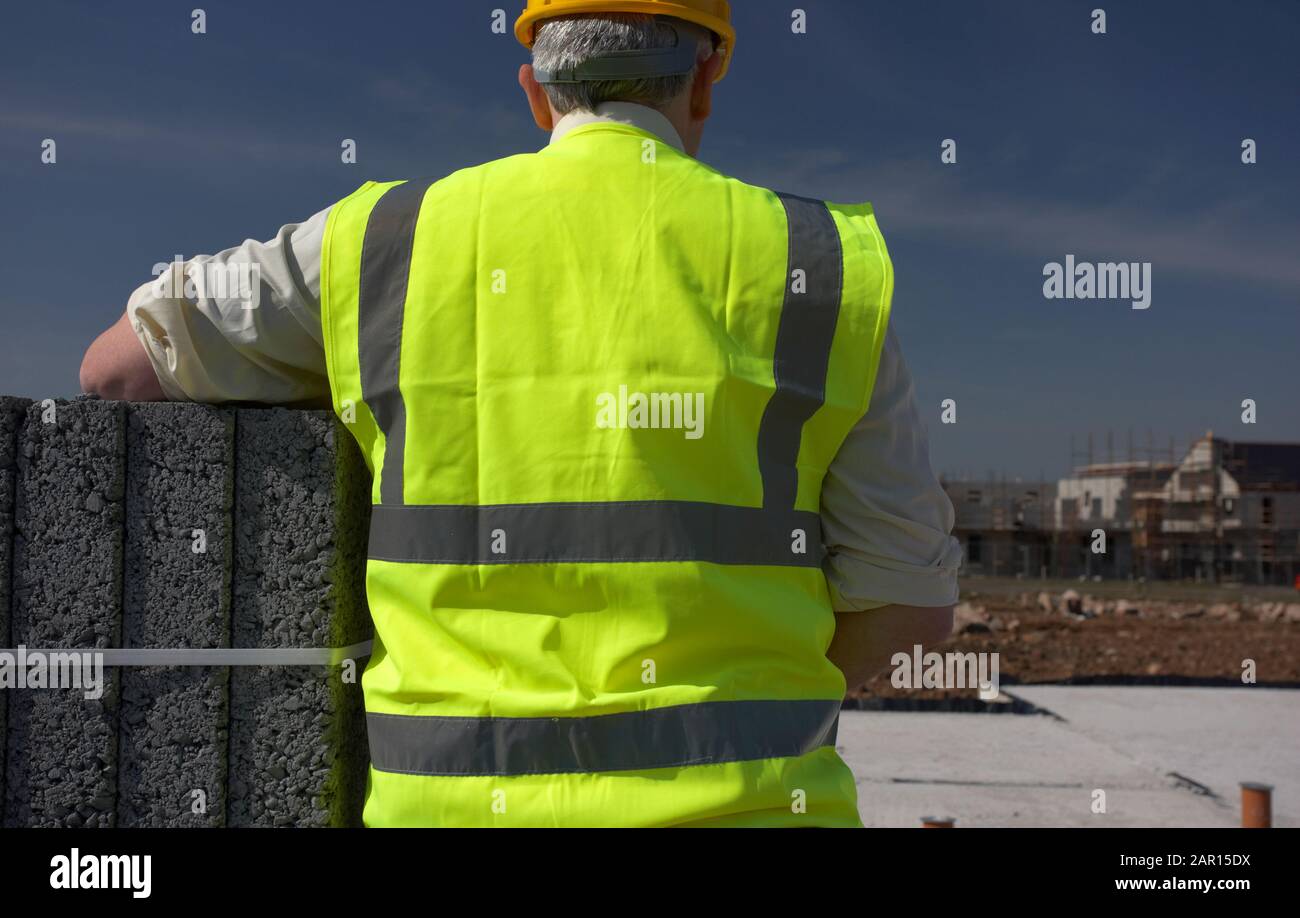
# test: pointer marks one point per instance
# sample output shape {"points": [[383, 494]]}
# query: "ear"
{"points": [[702, 90], [537, 100]]}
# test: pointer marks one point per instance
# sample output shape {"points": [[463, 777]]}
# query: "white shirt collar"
{"points": [[638, 116]]}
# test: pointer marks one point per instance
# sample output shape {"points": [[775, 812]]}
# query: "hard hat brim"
{"points": [[534, 14]]}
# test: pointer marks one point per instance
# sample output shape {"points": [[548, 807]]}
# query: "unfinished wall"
{"points": [[182, 527], [61, 761], [180, 464], [297, 743], [11, 414]]}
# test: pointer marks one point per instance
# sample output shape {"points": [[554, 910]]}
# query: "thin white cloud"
{"points": [[189, 133], [1232, 238]]}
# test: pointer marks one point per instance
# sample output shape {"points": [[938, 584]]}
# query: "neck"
{"points": [[659, 123]]}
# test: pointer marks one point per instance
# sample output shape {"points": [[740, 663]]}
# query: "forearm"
{"points": [[240, 326], [864, 642], [117, 367]]}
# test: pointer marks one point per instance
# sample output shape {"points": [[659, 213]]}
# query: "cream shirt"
{"points": [[886, 521]]}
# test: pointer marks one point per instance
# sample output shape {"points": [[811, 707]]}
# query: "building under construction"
{"points": [[1226, 511]]}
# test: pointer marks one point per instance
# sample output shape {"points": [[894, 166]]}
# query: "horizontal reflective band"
{"points": [[618, 531], [707, 733]]}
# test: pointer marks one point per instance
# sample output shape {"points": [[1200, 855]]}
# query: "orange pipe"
{"points": [[1256, 805]]}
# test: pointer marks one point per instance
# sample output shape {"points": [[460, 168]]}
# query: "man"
{"points": [[650, 486]]}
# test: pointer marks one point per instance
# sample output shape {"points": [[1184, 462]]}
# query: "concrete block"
{"points": [[61, 766], [297, 734], [11, 414], [173, 725]]}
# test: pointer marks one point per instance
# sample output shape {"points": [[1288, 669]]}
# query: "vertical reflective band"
{"points": [[814, 283], [615, 531], [381, 305]]}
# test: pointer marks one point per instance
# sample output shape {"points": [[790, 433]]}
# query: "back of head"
{"points": [[570, 41]]}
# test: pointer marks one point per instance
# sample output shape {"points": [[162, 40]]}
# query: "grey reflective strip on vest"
{"points": [[803, 344], [381, 308], [598, 532], [706, 733], [615, 531], [610, 532]]}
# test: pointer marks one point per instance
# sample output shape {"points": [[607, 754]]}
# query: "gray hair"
{"points": [[569, 41]]}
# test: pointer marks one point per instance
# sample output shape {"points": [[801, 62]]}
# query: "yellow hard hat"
{"points": [[714, 15]]}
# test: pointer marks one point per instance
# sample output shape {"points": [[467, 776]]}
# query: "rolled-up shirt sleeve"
{"points": [[241, 325], [886, 520]]}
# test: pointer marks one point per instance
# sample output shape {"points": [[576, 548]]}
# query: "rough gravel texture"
{"points": [[61, 762], [297, 733], [12, 411], [179, 495], [101, 504]]}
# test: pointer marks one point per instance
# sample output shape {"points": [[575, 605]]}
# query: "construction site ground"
{"points": [[1125, 706]]}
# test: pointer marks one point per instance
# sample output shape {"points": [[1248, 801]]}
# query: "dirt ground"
{"points": [[1081, 634]]}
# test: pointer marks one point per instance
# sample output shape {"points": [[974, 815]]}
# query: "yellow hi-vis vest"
{"points": [[598, 388]]}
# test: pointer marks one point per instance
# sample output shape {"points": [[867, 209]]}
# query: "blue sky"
{"points": [[1115, 147]]}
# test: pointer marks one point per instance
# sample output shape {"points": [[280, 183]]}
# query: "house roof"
{"points": [[1263, 466]]}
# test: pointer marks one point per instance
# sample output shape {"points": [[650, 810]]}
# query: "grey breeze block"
{"points": [[61, 761], [11, 415], [106, 499], [297, 740], [179, 496]]}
